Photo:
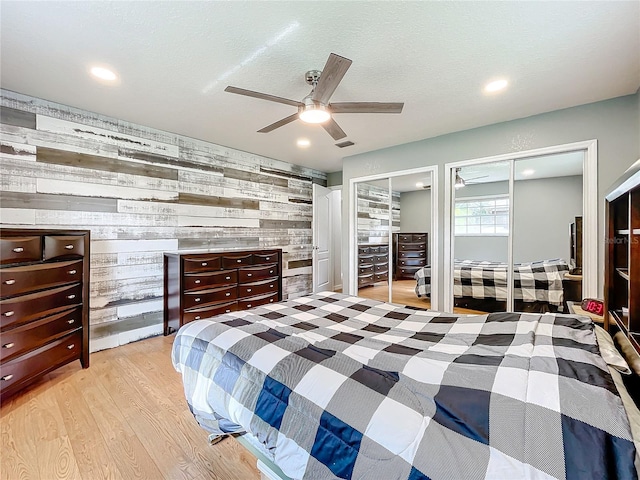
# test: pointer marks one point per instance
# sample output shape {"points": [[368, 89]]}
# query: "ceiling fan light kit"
{"points": [[313, 112], [315, 107]]}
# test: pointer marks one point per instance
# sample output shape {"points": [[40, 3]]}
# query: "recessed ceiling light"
{"points": [[103, 73], [303, 142], [528, 171], [419, 185], [496, 85]]}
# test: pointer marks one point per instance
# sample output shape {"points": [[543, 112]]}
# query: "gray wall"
{"points": [[614, 123], [543, 211], [142, 192]]}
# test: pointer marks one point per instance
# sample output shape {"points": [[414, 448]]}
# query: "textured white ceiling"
{"points": [[175, 59]]}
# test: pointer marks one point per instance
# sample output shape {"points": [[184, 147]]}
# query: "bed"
{"points": [[482, 285], [335, 386]]}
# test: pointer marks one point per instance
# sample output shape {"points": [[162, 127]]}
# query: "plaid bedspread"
{"points": [[343, 387], [533, 282]]}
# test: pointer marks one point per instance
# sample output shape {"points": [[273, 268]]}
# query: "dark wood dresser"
{"points": [[410, 254], [44, 303], [373, 264], [201, 285]]}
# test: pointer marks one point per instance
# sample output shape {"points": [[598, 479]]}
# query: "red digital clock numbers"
{"points": [[592, 305]]}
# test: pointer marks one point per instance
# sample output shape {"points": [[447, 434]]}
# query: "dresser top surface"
{"points": [[220, 251]]}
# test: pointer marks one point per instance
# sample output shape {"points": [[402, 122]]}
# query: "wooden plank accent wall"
{"points": [[142, 192], [373, 213]]}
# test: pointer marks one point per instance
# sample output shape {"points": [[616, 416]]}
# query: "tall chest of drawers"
{"points": [[410, 254], [201, 285], [373, 264], [44, 303]]}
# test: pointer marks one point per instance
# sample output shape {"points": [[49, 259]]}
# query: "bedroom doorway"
{"points": [[510, 230], [392, 219]]}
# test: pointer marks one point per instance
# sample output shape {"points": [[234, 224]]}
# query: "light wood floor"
{"points": [[124, 417], [404, 294]]}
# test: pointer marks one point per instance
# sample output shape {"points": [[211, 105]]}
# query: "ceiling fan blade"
{"points": [[366, 107], [279, 123], [331, 75], [262, 96], [334, 129]]}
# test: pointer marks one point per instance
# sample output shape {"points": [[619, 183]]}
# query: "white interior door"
{"points": [[321, 258]]}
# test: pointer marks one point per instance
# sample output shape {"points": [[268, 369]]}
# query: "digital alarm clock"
{"points": [[593, 305]]}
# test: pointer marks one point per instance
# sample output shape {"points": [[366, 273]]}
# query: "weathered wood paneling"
{"points": [[142, 192], [11, 116], [95, 162]]}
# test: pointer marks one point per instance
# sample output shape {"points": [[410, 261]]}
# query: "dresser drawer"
{"points": [[258, 288], [32, 335], [405, 237], [25, 308], [412, 247], [365, 259], [412, 254], [365, 269], [408, 271], [39, 361], [256, 301], [63, 246], [198, 281], [256, 273], [202, 263], [381, 267], [411, 262], [20, 249], [17, 280], [209, 296], [380, 258], [379, 277], [208, 312], [365, 279], [268, 257], [363, 250], [374, 249], [236, 260], [419, 238]]}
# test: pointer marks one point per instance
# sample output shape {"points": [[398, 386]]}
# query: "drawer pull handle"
{"points": [[248, 305], [248, 290], [228, 294], [204, 264], [72, 272], [239, 260], [197, 317], [270, 271], [249, 274], [71, 297], [271, 300], [8, 345], [227, 278], [9, 314], [69, 247], [69, 347], [197, 281], [268, 258], [227, 310], [18, 249], [10, 282], [197, 299], [6, 378], [70, 322], [270, 286]]}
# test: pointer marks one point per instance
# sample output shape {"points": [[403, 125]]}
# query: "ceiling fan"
{"points": [[315, 107], [461, 182]]}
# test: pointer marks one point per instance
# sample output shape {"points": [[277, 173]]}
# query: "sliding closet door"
{"points": [[481, 207], [374, 218], [547, 201]]}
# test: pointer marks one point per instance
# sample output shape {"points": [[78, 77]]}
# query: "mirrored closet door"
{"points": [[393, 224], [516, 234]]}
